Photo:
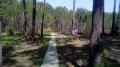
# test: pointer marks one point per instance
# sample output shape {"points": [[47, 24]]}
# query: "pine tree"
{"points": [[43, 18], [25, 18], [113, 20], [33, 20], [94, 57]]}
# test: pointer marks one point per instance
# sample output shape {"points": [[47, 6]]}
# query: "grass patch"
{"points": [[10, 40], [104, 62], [4, 34], [33, 57]]}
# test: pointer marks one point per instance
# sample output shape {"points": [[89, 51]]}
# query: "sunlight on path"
{"points": [[51, 58]]}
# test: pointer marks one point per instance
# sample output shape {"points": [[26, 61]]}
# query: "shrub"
{"points": [[47, 30]]}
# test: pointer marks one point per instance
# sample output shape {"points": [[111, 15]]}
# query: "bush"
{"points": [[47, 31]]}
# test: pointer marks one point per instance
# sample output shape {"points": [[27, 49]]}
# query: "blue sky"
{"points": [[82, 3]]}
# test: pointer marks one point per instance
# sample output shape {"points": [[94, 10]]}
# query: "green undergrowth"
{"points": [[104, 61], [26, 58], [11, 40]]}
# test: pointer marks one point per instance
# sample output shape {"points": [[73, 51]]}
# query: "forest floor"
{"points": [[18, 52], [73, 53], [111, 46]]}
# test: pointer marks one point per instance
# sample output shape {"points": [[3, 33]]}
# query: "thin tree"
{"points": [[0, 43], [113, 20], [94, 57], [0, 39], [25, 18], [74, 36], [103, 32], [73, 13], [33, 20], [43, 18], [118, 20], [118, 16]]}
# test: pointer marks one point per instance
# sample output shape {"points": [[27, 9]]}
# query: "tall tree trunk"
{"points": [[103, 32], [73, 13], [0, 39], [0, 42], [43, 18], [118, 19], [25, 18], [113, 21], [0, 45], [33, 20], [94, 57], [118, 16]]}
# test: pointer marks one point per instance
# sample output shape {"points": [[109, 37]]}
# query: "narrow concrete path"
{"points": [[51, 58]]}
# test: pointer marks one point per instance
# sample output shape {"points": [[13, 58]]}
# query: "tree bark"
{"points": [[43, 18], [73, 21], [113, 21], [94, 55], [103, 32], [73, 13], [33, 20], [118, 16], [25, 18], [0, 41], [118, 20]]}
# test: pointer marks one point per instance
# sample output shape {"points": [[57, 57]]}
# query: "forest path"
{"points": [[51, 58]]}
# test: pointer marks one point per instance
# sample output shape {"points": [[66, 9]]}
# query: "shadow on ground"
{"points": [[67, 53], [75, 56], [112, 50], [32, 57], [7, 55]]}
